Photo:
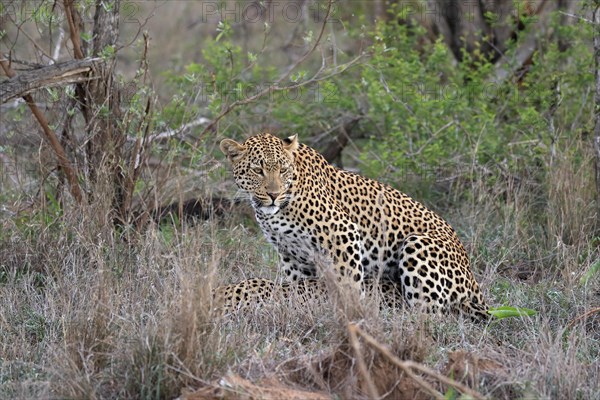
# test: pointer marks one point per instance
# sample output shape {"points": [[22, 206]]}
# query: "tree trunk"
{"points": [[101, 109]]}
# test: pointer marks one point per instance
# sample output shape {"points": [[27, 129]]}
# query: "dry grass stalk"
{"points": [[362, 367], [583, 317], [407, 367], [233, 386]]}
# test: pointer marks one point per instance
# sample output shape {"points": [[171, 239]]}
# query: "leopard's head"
{"points": [[264, 167]]}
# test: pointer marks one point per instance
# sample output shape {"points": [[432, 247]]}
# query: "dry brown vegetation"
{"points": [[87, 316], [93, 309]]}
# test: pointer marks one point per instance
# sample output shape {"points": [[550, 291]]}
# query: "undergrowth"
{"points": [[94, 309], [88, 316]]}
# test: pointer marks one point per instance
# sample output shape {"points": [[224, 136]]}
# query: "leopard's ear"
{"points": [[291, 143], [232, 149]]}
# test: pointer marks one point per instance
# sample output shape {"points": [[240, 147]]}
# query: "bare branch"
{"points": [[506, 67], [274, 89], [312, 50], [58, 46], [584, 317], [169, 133], [73, 29], [579, 17]]}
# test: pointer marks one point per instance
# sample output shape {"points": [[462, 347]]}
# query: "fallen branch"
{"points": [[408, 366], [233, 386], [49, 76]]}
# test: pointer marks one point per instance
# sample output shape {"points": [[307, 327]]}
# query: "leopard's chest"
{"points": [[286, 232]]}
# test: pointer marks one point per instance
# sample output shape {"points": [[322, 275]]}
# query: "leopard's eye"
{"points": [[257, 170], [285, 170]]}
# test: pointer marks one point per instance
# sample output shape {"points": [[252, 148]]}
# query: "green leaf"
{"points": [[300, 75], [507, 312], [86, 36], [593, 271], [450, 394], [224, 29], [108, 52]]}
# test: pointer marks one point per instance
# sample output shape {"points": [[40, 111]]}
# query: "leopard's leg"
{"points": [[296, 267], [346, 252], [392, 293], [254, 292], [478, 311], [237, 296], [436, 276], [341, 251], [304, 289]]}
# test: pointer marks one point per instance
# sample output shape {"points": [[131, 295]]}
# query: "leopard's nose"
{"points": [[273, 195]]}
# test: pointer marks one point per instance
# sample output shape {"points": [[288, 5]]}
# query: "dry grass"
{"points": [[85, 315]]}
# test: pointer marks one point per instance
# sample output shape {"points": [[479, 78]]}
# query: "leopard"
{"points": [[323, 218], [249, 293]]}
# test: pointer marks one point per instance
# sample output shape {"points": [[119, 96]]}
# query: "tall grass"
{"points": [[86, 314]]}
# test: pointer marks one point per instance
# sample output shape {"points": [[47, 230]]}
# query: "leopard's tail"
{"points": [[476, 310]]}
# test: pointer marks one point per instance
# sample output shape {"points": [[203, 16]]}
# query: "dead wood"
{"points": [[74, 71]]}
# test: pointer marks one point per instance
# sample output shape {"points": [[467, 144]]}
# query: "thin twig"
{"points": [[583, 316], [430, 139], [262, 50], [579, 17], [24, 32], [317, 42]]}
